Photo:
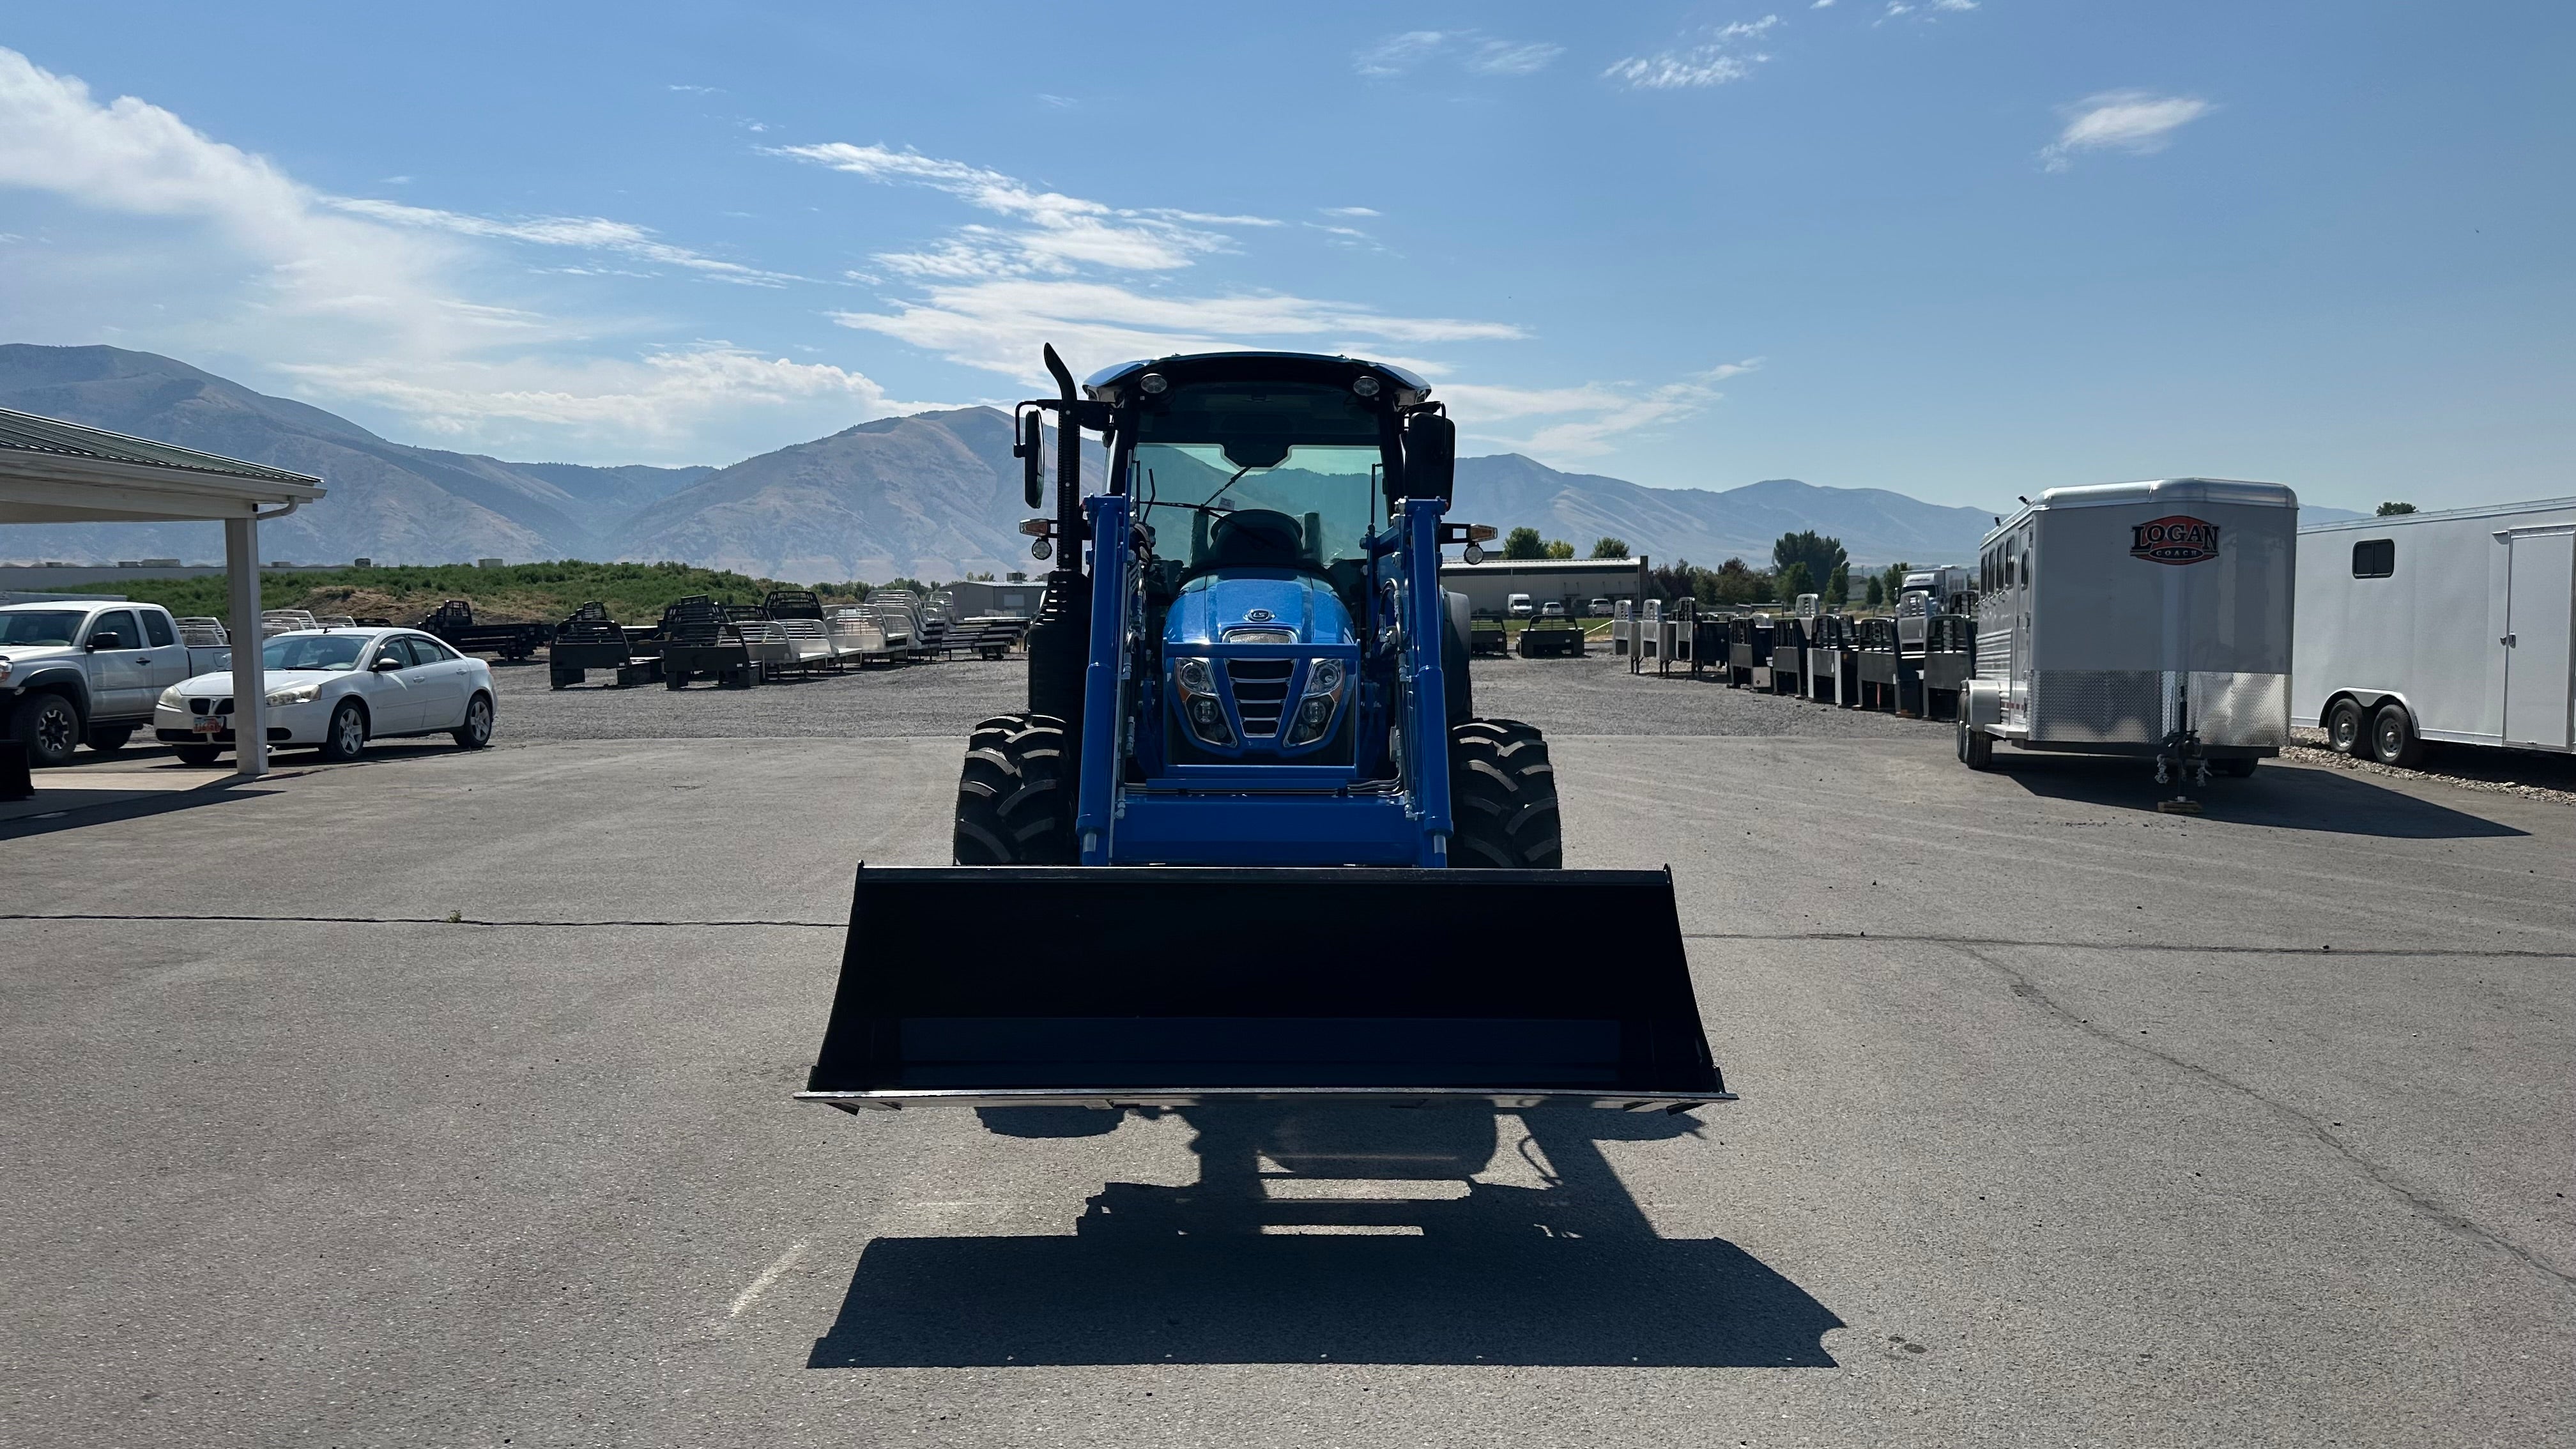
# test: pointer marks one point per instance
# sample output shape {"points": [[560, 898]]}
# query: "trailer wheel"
{"points": [[1976, 747], [2346, 726], [2393, 740], [1502, 798], [1015, 794]]}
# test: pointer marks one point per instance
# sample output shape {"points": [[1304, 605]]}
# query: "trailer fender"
{"points": [[2369, 699], [1984, 704]]}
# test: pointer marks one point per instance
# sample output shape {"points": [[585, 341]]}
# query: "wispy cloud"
{"points": [[1722, 54], [1923, 11], [1358, 211], [1585, 421], [354, 298], [2139, 122], [1402, 53], [595, 233], [1055, 234]]}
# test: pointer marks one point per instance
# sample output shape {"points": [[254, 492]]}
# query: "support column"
{"points": [[250, 686]]}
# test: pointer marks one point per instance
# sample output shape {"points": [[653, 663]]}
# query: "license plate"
{"points": [[214, 724]]}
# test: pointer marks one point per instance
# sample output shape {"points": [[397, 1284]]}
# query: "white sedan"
{"points": [[338, 689]]}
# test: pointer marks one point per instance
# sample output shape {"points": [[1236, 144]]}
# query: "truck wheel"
{"points": [[1015, 794], [1502, 798], [2393, 740], [49, 725], [476, 732], [2346, 727], [1976, 747], [198, 755], [346, 739], [108, 739]]}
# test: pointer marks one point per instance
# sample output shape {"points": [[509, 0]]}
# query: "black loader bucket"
{"points": [[1156, 986]]}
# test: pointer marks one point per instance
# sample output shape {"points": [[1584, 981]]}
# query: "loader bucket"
{"points": [[1166, 986]]}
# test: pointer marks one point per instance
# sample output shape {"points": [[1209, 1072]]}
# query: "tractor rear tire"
{"points": [[1502, 798], [1015, 794]]}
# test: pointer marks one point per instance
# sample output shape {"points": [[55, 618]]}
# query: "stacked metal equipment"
{"points": [[1711, 641], [798, 613], [1949, 662], [588, 639], [1831, 660], [699, 641], [1874, 651], [454, 622], [899, 613], [1749, 652], [766, 643], [858, 638], [1788, 654], [1487, 636]]}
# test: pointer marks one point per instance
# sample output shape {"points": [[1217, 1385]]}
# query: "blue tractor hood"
{"points": [[1213, 606]]}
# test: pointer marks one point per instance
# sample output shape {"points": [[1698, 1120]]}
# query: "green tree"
{"points": [[1877, 592], [1608, 547], [1820, 554], [1559, 548], [1524, 543], [1795, 580], [1838, 586], [1734, 582], [1893, 581], [2390, 509]]}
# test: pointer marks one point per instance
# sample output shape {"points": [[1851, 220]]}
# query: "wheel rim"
{"points": [[351, 733], [2346, 729], [54, 730], [478, 719], [2390, 737]]}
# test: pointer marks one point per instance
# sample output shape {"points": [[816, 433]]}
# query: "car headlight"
{"points": [[171, 698], [294, 694], [1195, 683], [5, 667], [1322, 700]]}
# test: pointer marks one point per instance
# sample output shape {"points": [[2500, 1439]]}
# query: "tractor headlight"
{"points": [[1322, 700], [1195, 683], [294, 694]]}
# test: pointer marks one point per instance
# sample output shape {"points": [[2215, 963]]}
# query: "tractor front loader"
{"points": [[1250, 833]]}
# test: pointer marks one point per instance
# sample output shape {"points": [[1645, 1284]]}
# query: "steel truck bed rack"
{"points": [[1880, 665], [1949, 662], [1488, 636], [1833, 665], [699, 642], [1788, 655], [588, 639], [771, 653], [857, 637], [1551, 639], [454, 622]]}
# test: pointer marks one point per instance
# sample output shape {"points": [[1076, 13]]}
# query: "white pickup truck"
{"points": [[79, 672]]}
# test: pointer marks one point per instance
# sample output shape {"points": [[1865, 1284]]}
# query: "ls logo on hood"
{"points": [[1258, 616], [2176, 538]]}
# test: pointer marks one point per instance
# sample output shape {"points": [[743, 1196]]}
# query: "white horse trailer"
{"points": [[2452, 626], [2147, 619]]}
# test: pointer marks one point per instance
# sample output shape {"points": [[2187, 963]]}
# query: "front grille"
{"points": [[208, 706], [1260, 693]]}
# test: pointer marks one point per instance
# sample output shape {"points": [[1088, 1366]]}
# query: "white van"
{"points": [[1518, 606]]}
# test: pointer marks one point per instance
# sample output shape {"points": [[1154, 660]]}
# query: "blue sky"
{"points": [[1960, 250]]}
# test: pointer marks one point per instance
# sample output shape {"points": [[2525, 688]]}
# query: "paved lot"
{"points": [[2063, 1121]]}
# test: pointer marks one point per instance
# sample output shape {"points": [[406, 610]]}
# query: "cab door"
{"points": [[390, 683], [165, 660], [438, 678], [119, 681]]}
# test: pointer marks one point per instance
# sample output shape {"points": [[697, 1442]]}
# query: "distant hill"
{"points": [[1707, 527], [931, 495], [387, 500]]}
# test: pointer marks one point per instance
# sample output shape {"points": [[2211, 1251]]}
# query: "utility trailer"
{"points": [[588, 639], [1250, 802], [2142, 619], [700, 641], [2450, 627], [454, 622]]}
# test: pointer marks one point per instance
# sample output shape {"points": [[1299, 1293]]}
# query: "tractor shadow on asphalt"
{"points": [[2286, 797], [1350, 1236]]}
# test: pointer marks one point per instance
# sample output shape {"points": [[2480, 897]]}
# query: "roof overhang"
{"points": [[55, 488]]}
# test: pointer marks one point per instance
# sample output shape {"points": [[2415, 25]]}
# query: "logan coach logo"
{"points": [[2175, 539]]}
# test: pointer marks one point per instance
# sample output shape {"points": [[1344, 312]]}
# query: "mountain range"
{"points": [[930, 495]]}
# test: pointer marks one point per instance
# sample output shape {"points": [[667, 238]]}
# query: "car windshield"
{"points": [[313, 651], [40, 626]]}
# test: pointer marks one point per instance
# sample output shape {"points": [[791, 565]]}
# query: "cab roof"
{"points": [[1111, 384]]}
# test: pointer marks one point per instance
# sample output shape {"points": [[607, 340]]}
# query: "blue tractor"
{"points": [[1262, 842]]}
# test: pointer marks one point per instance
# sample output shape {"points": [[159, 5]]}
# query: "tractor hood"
{"points": [[1213, 607]]}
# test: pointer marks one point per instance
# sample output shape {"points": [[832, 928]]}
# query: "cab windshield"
{"points": [[39, 627], [1300, 461], [313, 651]]}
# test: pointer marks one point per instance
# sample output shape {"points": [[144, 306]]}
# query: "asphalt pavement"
{"points": [[445, 1100]]}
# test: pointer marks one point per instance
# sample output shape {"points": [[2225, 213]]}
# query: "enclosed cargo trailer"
{"points": [[2148, 619], [2452, 627]]}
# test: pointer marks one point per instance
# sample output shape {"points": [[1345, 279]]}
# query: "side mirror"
{"points": [[109, 640], [386, 665], [1032, 451], [1430, 456]]}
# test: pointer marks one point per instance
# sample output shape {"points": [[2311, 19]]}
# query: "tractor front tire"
{"points": [[1015, 794], [1502, 798]]}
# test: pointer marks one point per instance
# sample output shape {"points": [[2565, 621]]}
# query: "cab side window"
{"points": [[2374, 558], [119, 622], [427, 651], [157, 625], [394, 651]]}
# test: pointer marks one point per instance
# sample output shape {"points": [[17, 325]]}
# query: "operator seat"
{"points": [[1256, 538]]}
